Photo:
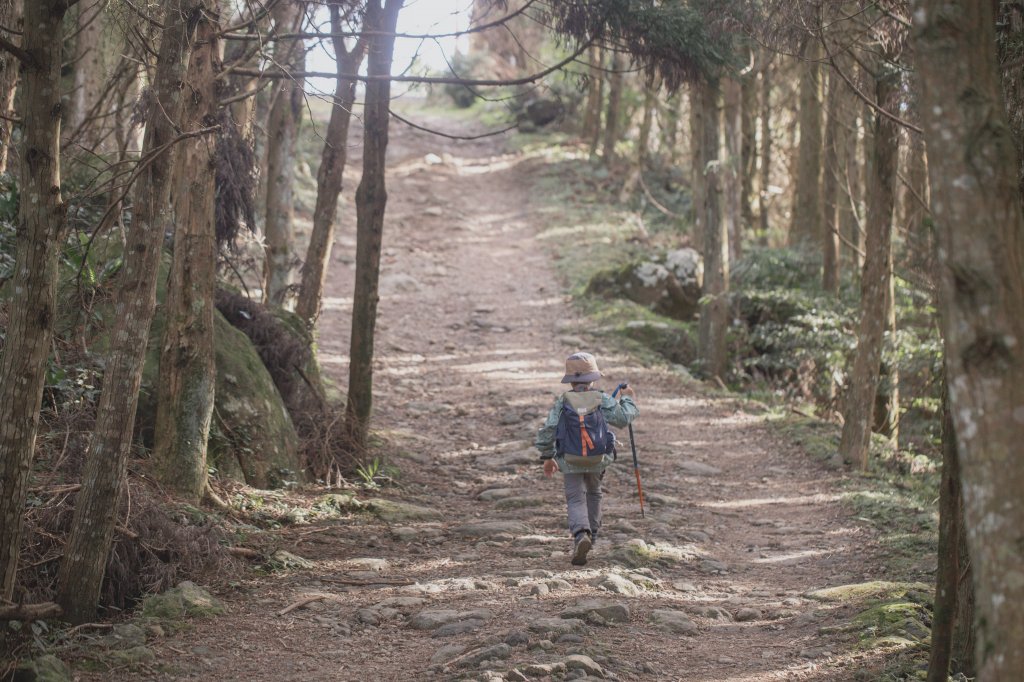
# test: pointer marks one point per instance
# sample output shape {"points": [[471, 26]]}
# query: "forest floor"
{"points": [[714, 584]]}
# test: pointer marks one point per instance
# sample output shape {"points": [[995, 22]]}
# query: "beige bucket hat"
{"points": [[581, 368]]}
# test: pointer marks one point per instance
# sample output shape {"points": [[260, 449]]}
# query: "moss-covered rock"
{"points": [[252, 438], [46, 668], [858, 592], [893, 623], [185, 601], [669, 284]]}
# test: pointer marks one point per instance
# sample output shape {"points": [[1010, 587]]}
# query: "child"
{"points": [[575, 440]]}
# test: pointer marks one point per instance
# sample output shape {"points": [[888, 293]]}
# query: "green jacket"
{"points": [[617, 413]]}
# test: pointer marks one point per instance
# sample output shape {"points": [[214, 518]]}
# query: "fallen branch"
{"points": [[244, 552], [30, 611], [299, 604]]}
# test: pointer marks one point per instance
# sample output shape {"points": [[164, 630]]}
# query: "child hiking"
{"points": [[575, 440]]}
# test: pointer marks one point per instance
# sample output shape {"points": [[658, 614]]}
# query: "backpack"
{"points": [[582, 433]]}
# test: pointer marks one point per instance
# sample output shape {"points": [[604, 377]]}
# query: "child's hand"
{"points": [[550, 467], [628, 391]]}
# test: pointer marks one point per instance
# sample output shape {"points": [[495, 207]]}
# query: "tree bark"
{"points": [[714, 315], [371, 201], [732, 166], [595, 87], [594, 135], [856, 439], [951, 562], [10, 16], [89, 75], [698, 162], [748, 167], [85, 556], [187, 373], [42, 226], [766, 148], [643, 151], [806, 228], [979, 229], [329, 177], [614, 113], [282, 133], [830, 190]]}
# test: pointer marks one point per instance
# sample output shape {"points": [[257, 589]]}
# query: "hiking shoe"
{"points": [[580, 549]]}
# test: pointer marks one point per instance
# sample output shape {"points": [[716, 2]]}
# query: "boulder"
{"points": [[673, 621], [670, 284], [605, 611], [252, 437], [542, 111]]}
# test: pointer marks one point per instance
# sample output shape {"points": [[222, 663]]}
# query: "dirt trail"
{"points": [[473, 330]]}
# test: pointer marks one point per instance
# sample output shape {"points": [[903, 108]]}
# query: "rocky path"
{"points": [[711, 585]]}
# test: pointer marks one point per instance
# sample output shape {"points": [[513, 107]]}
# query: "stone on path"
{"points": [[432, 619], [584, 663], [447, 653], [486, 528], [496, 651], [673, 621], [606, 611], [616, 584], [747, 614], [394, 511], [367, 564], [492, 494], [557, 626]]}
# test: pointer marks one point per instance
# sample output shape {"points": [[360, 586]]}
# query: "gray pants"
{"points": [[583, 497]]}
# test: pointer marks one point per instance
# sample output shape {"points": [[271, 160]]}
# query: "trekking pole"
{"points": [[636, 464]]}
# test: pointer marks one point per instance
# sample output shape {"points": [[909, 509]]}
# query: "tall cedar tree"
{"points": [[979, 230], [185, 397], [42, 226], [371, 200], [82, 567], [332, 170], [282, 135]]}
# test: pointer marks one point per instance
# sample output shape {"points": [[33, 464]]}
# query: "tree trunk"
{"points": [[887, 399], [714, 315], [670, 131], [748, 167], [90, 73], [187, 373], [806, 228], [849, 191], [965, 630], [329, 177], [732, 166], [979, 229], [595, 132], [85, 557], [612, 122], [830, 190], [698, 162], [766, 148], [282, 133], [592, 109], [42, 226], [371, 201], [863, 384], [10, 16], [643, 152], [952, 563]]}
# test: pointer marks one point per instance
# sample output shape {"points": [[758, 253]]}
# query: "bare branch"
{"points": [[436, 80], [409, 123]]}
